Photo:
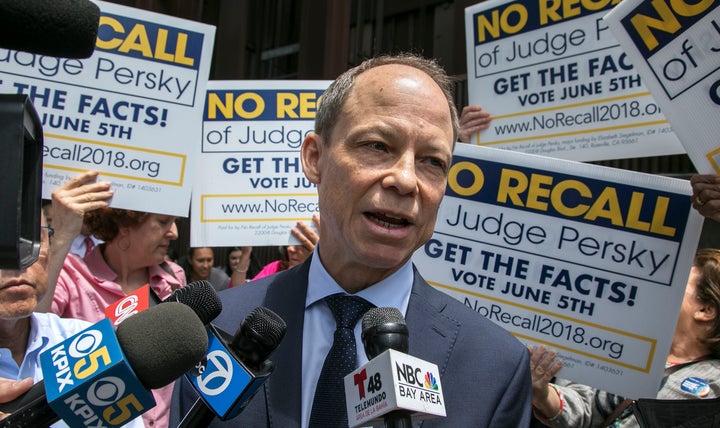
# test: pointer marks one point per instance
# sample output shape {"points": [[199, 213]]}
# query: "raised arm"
{"points": [[70, 202]]}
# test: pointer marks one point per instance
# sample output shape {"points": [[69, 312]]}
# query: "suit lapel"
{"points": [[432, 337], [432, 334], [286, 296]]}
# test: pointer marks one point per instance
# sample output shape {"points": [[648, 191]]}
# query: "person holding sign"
{"points": [[692, 368], [293, 255], [380, 156], [132, 255], [706, 195], [238, 265], [473, 119]]}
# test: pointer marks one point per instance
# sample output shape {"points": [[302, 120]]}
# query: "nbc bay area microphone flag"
{"points": [[393, 381]]}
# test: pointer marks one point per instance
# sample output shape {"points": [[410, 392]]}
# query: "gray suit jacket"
{"points": [[484, 371]]}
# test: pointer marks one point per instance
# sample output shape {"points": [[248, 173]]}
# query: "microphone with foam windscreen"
{"points": [[234, 367], [392, 387], [102, 377], [59, 28]]}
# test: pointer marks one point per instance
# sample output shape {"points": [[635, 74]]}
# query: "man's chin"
{"points": [[386, 257], [16, 312]]}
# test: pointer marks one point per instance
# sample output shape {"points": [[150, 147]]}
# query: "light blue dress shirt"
{"points": [[319, 324]]}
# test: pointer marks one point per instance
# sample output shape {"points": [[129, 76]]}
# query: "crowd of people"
{"points": [[379, 155]]}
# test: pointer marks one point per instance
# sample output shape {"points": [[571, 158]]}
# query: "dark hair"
{"points": [[708, 291], [333, 99], [187, 267], [105, 223], [253, 268]]}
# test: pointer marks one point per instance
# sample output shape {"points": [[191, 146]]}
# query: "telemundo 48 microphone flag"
{"points": [[393, 381]]}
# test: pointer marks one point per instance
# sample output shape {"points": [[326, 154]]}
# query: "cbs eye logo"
{"points": [[84, 348]]}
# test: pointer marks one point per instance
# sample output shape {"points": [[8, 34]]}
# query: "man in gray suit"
{"points": [[380, 155]]}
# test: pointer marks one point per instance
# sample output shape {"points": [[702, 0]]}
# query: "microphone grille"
{"points": [[257, 336], [378, 316], [202, 298], [267, 324]]}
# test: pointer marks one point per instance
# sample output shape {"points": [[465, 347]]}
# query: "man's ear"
{"points": [[706, 312], [310, 157]]}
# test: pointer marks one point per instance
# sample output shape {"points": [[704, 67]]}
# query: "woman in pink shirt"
{"points": [[132, 255], [293, 255]]}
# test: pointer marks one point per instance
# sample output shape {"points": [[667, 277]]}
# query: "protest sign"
{"points": [[132, 110], [588, 260], [558, 84], [676, 53], [249, 188]]}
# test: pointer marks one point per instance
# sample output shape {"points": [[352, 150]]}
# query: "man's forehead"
{"points": [[392, 72]]}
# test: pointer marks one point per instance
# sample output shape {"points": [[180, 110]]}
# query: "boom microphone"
{"points": [[59, 28], [234, 368], [102, 377], [392, 386]]}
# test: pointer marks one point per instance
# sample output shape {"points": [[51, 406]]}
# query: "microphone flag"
{"points": [[89, 381], [393, 381], [137, 301], [225, 384]]}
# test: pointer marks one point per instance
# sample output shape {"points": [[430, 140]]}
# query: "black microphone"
{"points": [[201, 297], [159, 345], [383, 329], [392, 386], [245, 367], [59, 28]]}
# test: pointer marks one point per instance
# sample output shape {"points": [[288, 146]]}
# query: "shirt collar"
{"points": [[393, 291], [98, 266]]}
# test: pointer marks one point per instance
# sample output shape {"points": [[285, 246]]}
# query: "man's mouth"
{"points": [[386, 220]]}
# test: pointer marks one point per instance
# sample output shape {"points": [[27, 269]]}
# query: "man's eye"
{"points": [[438, 163], [377, 146]]}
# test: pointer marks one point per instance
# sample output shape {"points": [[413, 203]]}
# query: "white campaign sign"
{"points": [[132, 110], [558, 84], [676, 53], [588, 260], [249, 187]]}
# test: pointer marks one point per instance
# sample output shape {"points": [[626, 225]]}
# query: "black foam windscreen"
{"points": [[201, 297], [59, 28], [383, 329], [163, 342]]}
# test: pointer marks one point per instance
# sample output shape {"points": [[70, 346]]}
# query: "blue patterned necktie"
{"points": [[328, 408]]}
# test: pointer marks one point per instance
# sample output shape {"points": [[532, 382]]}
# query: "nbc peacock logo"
{"points": [[430, 381]]}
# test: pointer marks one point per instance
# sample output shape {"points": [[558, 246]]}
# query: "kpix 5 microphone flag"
{"points": [[100, 376]]}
